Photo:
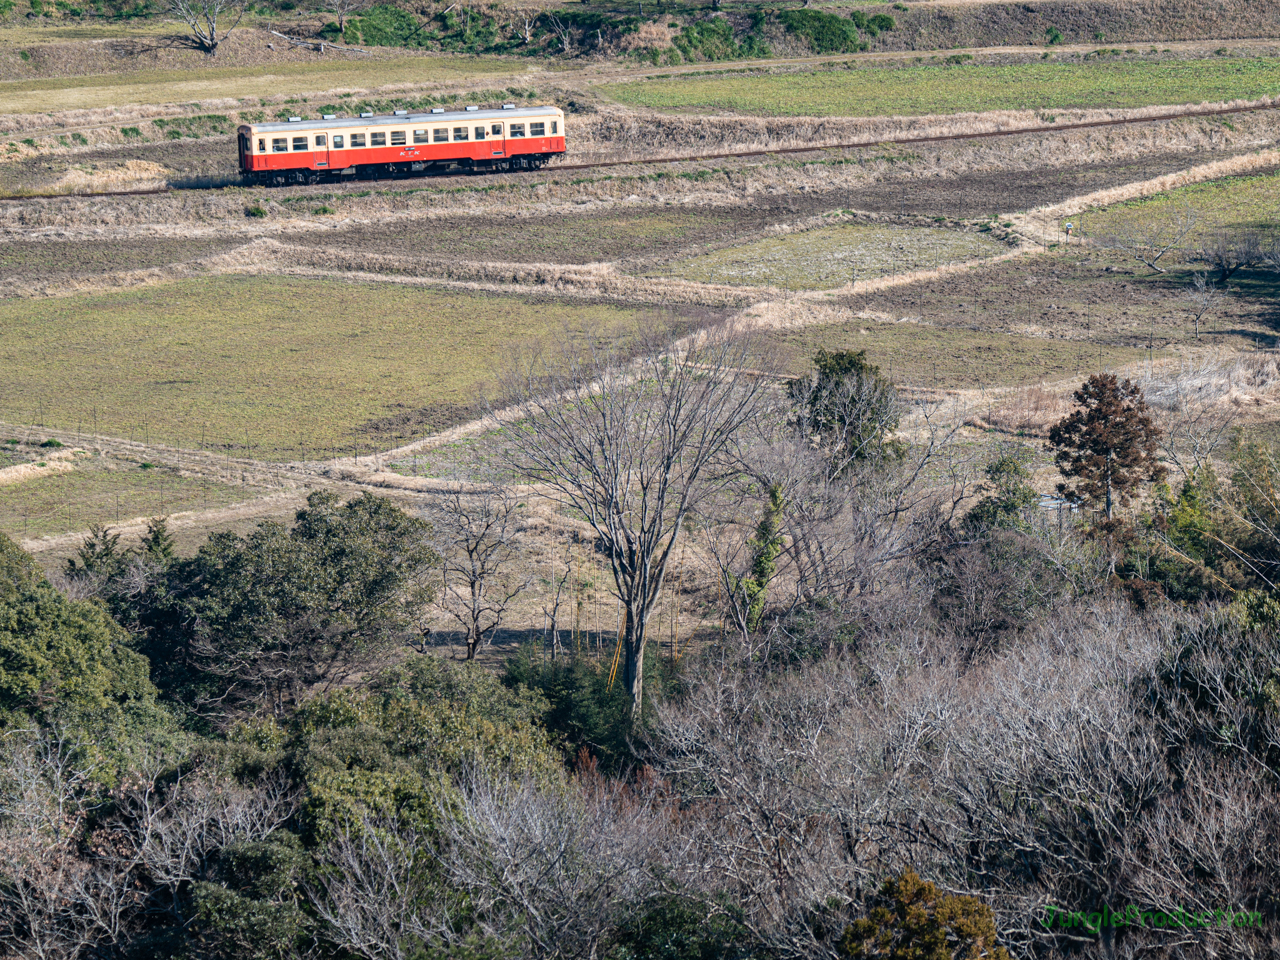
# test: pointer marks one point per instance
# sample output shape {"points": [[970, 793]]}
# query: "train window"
{"points": [[280, 145], [479, 133], [300, 143], [397, 138], [357, 140], [459, 133], [517, 130], [537, 129], [441, 134], [377, 139], [420, 136], [322, 141], [337, 141], [262, 146], [496, 129], [555, 126]]}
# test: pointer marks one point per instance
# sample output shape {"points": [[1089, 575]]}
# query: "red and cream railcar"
{"points": [[369, 147]]}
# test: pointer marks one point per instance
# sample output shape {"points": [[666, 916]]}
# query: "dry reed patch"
{"points": [[1028, 411], [133, 175], [1247, 384], [31, 471]]}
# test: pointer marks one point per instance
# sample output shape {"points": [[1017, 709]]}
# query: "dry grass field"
{"points": [[271, 367], [105, 491], [826, 258]]}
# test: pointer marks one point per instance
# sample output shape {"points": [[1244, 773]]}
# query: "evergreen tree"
{"points": [[1108, 445]]}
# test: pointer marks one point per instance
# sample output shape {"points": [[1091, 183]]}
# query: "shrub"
{"points": [[52, 444], [1053, 35], [254, 210], [22, 53], [913, 919], [131, 133], [825, 32]]}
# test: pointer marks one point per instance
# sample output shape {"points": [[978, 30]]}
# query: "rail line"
{"points": [[859, 145]]}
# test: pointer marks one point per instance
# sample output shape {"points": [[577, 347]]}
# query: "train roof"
{"points": [[448, 115]]}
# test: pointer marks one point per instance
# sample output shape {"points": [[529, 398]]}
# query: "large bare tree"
{"points": [[203, 17], [630, 446]]}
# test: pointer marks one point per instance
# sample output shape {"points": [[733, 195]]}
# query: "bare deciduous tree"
{"points": [[630, 447], [1149, 241], [474, 529], [59, 895], [563, 32], [1202, 298], [345, 9], [1229, 252], [202, 18]]}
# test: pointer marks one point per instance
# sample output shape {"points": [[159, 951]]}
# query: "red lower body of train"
{"points": [[497, 155]]}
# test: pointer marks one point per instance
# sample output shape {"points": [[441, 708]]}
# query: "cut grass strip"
{"points": [[928, 89]]}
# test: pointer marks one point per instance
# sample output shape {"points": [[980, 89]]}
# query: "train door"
{"points": [[497, 139], [246, 149], [320, 156]]}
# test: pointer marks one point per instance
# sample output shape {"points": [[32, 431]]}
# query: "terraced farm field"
{"points": [[830, 257], [939, 89], [1233, 202], [101, 491], [279, 368]]}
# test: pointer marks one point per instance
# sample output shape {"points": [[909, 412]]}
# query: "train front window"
{"points": [[459, 133], [496, 129], [554, 127], [441, 134], [337, 141], [397, 138], [262, 146], [280, 145], [420, 136], [517, 130], [479, 133], [377, 139], [357, 140], [322, 141], [300, 143]]}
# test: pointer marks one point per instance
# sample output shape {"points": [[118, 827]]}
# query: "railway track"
{"points": [[860, 145]]}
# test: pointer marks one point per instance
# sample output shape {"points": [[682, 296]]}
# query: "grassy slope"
{"points": [[940, 89], [290, 367]]}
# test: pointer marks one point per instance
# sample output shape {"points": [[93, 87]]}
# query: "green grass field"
{"points": [[939, 89], [101, 492], [273, 367], [950, 358], [1231, 203], [826, 258]]}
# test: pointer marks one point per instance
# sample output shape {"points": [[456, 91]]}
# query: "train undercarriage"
{"points": [[397, 171]]}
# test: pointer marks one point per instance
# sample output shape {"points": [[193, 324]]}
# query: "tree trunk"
{"points": [[633, 660], [1108, 484]]}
